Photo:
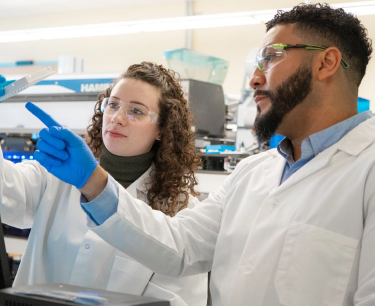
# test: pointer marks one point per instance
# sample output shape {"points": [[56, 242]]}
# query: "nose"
{"points": [[120, 117], [257, 79]]}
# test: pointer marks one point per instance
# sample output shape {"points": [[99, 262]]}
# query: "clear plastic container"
{"points": [[191, 64]]}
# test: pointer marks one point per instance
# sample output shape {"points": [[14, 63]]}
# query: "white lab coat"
{"points": [[307, 242], [61, 248]]}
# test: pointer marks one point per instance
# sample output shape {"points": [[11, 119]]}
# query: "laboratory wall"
{"points": [[115, 53]]}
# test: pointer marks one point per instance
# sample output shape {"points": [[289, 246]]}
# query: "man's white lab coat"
{"points": [[307, 242], [61, 248]]}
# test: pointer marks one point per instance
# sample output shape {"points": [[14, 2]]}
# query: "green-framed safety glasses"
{"points": [[270, 55]]}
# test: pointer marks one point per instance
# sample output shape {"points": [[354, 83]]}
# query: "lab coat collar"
{"points": [[140, 184], [353, 143], [359, 138]]}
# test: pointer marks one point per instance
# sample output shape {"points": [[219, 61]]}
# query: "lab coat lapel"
{"points": [[273, 170], [313, 166], [139, 186], [132, 189]]}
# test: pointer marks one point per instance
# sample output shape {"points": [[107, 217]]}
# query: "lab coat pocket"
{"points": [[314, 267], [128, 276]]}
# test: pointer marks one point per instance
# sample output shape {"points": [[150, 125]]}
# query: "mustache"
{"points": [[260, 92]]}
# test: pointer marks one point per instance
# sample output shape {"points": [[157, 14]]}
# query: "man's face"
{"points": [[278, 91], [283, 99]]}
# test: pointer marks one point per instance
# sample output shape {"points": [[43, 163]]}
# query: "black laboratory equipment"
{"points": [[61, 294]]}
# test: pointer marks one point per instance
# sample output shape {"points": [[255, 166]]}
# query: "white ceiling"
{"points": [[13, 8]]}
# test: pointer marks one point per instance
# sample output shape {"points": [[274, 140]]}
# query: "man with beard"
{"points": [[291, 226], [288, 95]]}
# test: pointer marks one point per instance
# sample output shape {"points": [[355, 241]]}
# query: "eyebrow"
{"points": [[135, 102]]}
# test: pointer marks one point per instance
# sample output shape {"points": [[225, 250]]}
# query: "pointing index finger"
{"points": [[41, 115]]}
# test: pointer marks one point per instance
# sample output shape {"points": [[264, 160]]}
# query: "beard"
{"points": [[284, 98]]}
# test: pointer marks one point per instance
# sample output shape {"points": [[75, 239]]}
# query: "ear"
{"points": [[158, 137], [328, 62]]}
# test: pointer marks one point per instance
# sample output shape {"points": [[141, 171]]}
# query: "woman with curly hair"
{"points": [[141, 135], [167, 142]]}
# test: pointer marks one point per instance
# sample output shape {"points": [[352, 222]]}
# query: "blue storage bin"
{"points": [[275, 140], [363, 105]]}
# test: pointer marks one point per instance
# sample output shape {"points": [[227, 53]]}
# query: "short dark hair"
{"points": [[331, 27]]}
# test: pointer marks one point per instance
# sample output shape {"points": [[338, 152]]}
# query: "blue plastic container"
{"points": [[275, 140], [363, 105], [217, 149]]}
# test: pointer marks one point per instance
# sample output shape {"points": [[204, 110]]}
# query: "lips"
{"points": [[259, 98], [114, 133]]}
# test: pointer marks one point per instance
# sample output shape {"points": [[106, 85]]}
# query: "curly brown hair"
{"points": [[176, 159]]}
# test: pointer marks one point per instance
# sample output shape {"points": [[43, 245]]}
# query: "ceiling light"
{"points": [[116, 28], [165, 24], [358, 8]]}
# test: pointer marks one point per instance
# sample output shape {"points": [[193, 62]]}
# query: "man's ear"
{"points": [[328, 61]]}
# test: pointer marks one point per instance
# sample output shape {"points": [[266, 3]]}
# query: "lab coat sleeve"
{"points": [[22, 186], [365, 295], [178, 246], [97, 212]]}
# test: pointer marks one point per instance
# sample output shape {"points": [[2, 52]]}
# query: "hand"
{"points": [[62, 152]]}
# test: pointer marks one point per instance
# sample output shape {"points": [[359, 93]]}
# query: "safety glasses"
{"points": [[136, 112], [269, 56]]}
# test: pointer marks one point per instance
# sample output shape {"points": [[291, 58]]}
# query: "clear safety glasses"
{"points": [[269, 56], [137, 113]]}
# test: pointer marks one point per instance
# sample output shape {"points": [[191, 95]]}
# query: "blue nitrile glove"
{"points": [[62, 152], [2, 85]]}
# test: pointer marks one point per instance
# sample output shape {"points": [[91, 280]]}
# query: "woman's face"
{"points": [[123, 136]]}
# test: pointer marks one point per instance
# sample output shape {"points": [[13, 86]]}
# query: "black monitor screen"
{"points": [[206, 102]]}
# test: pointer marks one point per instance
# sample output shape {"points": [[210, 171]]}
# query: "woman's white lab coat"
{"points": [[61, 248], [307, 242]]}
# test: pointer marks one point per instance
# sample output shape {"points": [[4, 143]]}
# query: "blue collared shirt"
{"points": [[316, 143]]}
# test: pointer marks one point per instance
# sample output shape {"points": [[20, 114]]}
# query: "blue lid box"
{"points": [[217, 149]]}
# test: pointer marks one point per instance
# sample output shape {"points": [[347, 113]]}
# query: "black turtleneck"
{"points": [[125, 169]]}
